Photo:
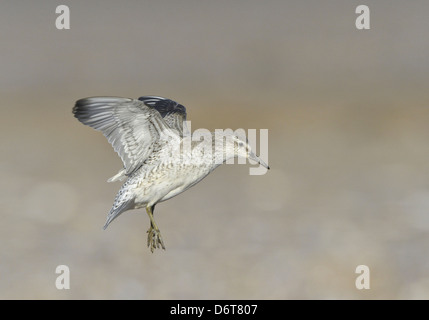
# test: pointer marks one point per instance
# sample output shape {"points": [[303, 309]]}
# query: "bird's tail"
{"points": [[116, 210]]}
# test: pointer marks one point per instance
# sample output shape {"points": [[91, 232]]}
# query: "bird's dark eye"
{"points": [[240, 144]]}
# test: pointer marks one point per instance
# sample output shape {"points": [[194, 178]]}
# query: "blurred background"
{"points": [[347, 112]]}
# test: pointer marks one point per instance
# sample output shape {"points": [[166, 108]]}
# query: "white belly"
{"points": [[185, 185]]}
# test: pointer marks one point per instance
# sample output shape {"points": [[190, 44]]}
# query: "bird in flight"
{"points": [[160, 158]]}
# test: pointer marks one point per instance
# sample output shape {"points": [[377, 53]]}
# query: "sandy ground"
{"points": [[347, 113]]}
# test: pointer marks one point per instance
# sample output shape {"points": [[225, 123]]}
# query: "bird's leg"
{"points": [[154, 239]]}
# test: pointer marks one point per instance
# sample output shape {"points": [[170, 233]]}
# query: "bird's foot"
{"points": [[154, 239]]}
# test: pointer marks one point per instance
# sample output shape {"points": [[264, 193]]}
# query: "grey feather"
{"points": [[131, 126]]}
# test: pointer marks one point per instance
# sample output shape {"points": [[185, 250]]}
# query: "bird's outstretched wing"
{"points": [[173, 113], [131, 126]]}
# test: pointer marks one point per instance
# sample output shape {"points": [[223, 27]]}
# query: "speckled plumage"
{"points": [[160, 158]]}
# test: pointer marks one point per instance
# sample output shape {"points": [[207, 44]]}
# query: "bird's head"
{"points": [[241, 148]]}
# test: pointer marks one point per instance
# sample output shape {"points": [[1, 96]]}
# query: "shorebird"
{"points": [[159, 156]]}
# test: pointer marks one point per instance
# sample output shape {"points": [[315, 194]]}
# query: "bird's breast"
{"points": [[184, 177]]}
